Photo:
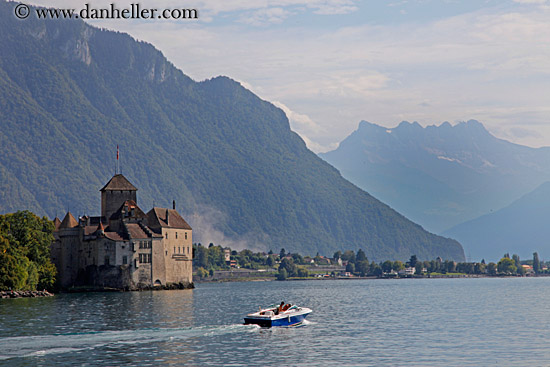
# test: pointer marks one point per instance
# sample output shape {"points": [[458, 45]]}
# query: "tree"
{"points": [[337, 255], [362, 267], [298, 259], [520, 270], [350, 267], [201, 272], [289, 266], [303, 272], [25, 241], [376, 269], [201, 258], [398, 265], [282, 275], [348, 256], [480, 268], [412, 261], [418, 268], [449, 266], [269, 261], [492, 268], [536, 263], [282, 253], [360, 256], [507, 266], [387, 266]]}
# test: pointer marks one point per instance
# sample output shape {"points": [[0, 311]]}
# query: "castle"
{"points": [[124, 248]]}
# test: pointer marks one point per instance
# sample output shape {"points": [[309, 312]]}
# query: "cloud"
{"points": [[491, 64], [205, 219], [266, 15]]}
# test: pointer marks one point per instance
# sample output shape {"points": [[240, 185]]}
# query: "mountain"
{"points": [[439, 176], [520, 228], [70, 93]]}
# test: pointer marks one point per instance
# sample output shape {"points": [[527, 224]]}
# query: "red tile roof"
{"points": [[167, 218]]}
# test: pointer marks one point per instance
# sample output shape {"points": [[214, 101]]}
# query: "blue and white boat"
{"points": [[274, 316]]}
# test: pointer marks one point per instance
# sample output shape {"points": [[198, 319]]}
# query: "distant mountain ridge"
{"points": [[439, 176], [520, 228], [70, 93]]}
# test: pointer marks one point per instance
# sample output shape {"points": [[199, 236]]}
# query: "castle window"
{"points": [[176, 235], [179, 250], [185, 235], [167, 235], [174, 249], [124, 260]]}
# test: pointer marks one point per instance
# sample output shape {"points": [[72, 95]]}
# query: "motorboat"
{"points": [[278, 316]]}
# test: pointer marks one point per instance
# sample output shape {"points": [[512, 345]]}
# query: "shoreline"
{"points": [[24, 294], [438, 276]]}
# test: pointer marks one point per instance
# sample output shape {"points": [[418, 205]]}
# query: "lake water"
{"points": [[409, 322]]}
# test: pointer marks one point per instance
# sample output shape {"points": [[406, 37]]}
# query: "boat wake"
{"points": [[41, 345]]}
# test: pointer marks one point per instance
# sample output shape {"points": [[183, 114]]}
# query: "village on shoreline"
{"points": [[26, 269], [217, 263]]}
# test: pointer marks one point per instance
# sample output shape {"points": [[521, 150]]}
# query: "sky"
{"points": [[331, 63]]}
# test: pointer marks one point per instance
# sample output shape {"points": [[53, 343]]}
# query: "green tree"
{"points": [[376, 269], [387, 266], [298, 259], [350, 267], [289, 266], [412, 261], [303, 272], [418, 268], [202, 272], [25, 241], [536, 263], [282, 274], [449, 266], [348, 256], [362, 267], [480, 268], [492, 268], [507, 266], [337, 255], [360, 256], [520, 270], [282, 253], [398, 265], [201, 258]]}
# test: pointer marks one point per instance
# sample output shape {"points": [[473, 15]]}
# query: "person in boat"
{"points": [[287, 306], [279, 308]]}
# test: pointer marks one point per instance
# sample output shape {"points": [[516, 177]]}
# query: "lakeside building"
{"points": [[124, 248]]}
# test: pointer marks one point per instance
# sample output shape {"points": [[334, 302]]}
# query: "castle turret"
{"points": [[115, 193]]}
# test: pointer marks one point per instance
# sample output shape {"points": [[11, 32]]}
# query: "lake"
{"points": [[412, 322]]}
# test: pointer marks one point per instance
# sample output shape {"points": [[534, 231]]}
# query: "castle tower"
{"points": [[115, 193]]}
